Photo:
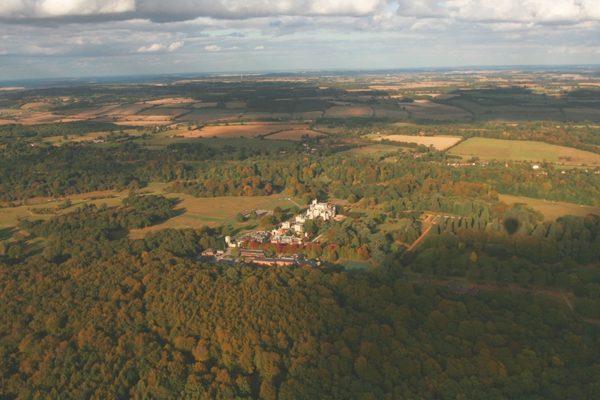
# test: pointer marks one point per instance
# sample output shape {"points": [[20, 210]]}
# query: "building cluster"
{"points": [[254, 236], [287, 233], [317, 210], [285, 239], [282, 234]]}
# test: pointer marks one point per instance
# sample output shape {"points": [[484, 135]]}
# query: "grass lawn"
{"points": [[356, 267], [520, 150]]}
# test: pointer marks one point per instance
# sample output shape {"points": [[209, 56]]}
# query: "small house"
{"points": [[209, 253]]}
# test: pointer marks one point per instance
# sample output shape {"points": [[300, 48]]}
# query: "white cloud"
{"points": [[23, 9], [212, 47], [259, 48], [174, 46], [184, 9], [150, 49], [534, 11]]}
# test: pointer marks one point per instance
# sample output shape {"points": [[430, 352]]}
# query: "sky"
{"points": [[73, 38]]}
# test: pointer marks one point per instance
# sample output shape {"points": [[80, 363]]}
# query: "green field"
{"points": [[518, 150], [552, 210]]}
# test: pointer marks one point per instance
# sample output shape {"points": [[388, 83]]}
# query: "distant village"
{"points": [[286, 233]]}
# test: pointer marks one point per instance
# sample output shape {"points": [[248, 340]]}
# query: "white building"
{"points": [[320, 210]]}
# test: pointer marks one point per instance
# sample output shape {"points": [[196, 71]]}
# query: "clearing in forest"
{"points": [[521, 150], [439, 143]]}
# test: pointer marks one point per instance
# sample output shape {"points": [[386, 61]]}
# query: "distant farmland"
{"points": [[440, 143], [518, 150]]}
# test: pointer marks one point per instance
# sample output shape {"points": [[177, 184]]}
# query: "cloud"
{"points": [[175, 46], [128, 36], [153, 48], [25, 9], [531, 11], [179, 10]]}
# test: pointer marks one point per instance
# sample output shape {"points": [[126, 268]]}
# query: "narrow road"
{"points": [[569, 303], [290, 199], [419, 240]]}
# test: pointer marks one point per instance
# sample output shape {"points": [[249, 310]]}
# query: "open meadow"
{"points": [[168, 112], [205, 105], [552, 209], [197, 212], [10, 216], [170, 101], [191, 212], [440, 142], [236, 131], [390, 113], [519, 150], [375, 149], [36, 106], [424, 109], [309, 115], [294, 135], [347, 112], [211, 114]]}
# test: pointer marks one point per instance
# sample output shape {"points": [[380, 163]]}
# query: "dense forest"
{"points": [[148, 324]]}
